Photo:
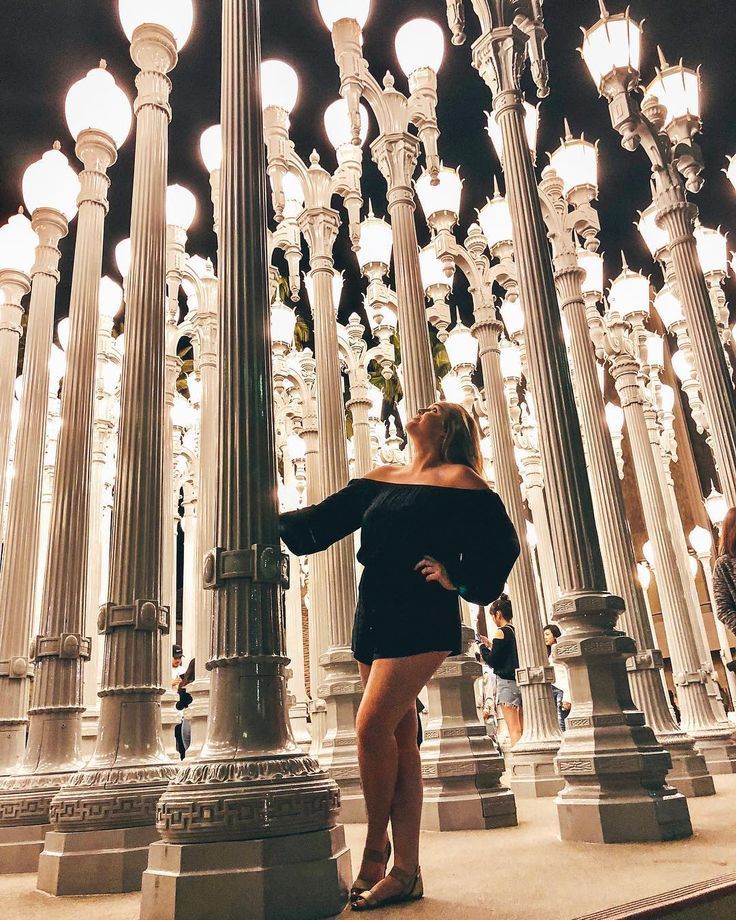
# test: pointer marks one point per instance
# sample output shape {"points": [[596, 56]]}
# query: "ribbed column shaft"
{"points": [[531, 464], [318, 625], [361, 435], [192, 574], [170, 501], [13, 287], [18, 574]]}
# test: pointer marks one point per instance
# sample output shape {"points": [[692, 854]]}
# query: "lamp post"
{"points": [[98, 115], [420, 48], [595, 651], [253, 807], [104, 815], [664, 124]]}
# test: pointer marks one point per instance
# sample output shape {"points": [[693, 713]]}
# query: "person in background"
{"points": [[501, 655], [560, 687], [177, 666], [724, 572], [183, 728]]}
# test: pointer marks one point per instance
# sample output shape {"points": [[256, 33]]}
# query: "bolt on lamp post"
{"points": [[664, 124], [98, 115], [252, 813], [420, 48], [129, 769], [595, 652]]}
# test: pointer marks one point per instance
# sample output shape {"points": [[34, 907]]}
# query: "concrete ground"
{"points": [[522, 873]]}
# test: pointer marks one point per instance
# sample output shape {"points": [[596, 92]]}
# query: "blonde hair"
{"points": [[728, 534], [461, 442]]}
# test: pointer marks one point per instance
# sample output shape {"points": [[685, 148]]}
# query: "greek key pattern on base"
{"points": [[25, 810], [247, 771]]}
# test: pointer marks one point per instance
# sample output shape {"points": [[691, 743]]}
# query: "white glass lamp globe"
{"points": [[119, 344], [648, 551], [645, 574], [111, 297], [512, 316], [182, 413], [681, 366], [712, 250], [531, 534], [295, 446], [376, 397], [614, 419], [420, 43], [510, 361], [730, 170], [677, 88], [701, 540], [57, 366], [531, 128], [431, 270], [283, 321], [592, 264], [181, 207], [194, 385], [62, 332], [717, 507], [668, 306], [175, 15], [96, 102], [444, 196], [655, 349], [667, 398], [461, 346], [333, 11], [612, 44], [576, 162], [495, 221], [452, 388], [654, 236], [51, 183], [337, 284], [279, 85], [210, 146], [338, 125], [629, 294], [18, 242], [122, 257], [376, 242]]}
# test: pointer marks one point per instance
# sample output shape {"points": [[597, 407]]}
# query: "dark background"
{"points": [[47, 45]]}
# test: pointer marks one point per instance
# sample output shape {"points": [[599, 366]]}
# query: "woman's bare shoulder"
{"points": [[459, 476], [385, 473]]}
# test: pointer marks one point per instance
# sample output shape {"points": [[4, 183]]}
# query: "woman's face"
{"points": [[428, 424], [549, 637]]}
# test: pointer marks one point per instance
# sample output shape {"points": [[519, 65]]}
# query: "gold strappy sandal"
{"points": [[375, 856], [412, 885]]}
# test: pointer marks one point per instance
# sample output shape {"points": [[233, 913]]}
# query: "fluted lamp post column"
{"points": [[104, 816], [420, 48], [615, 786], [98, 115], [253, 820], [664, 125]]}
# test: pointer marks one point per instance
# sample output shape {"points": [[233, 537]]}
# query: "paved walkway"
{"points": [[522, 873]]}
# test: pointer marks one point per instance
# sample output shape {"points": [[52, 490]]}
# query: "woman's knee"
{"points": [[406, 732], [371, 729]]}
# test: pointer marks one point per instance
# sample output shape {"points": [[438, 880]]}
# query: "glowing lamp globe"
{"points": [[668, 306], [655, 349], [461, 346], [629, 294], [18, 242], [648, 551], [210, 146], [181, 207], [175, 15], [194, 386], [376, 242], [612, 46], [295, 446], [279, 85], [420, 43], [731, 170], [531, 127], [338, 126], [333, 11], [376, 397], [57, 366], [512, 316], [531, 534], [677, 88], [592, 266], [712, 250], [432, 272], [654, 236], [283, 321], [614, 419], [510, 361], [182, 413], [645, 574], [96, 102], [495, 221], [701, 540], [444, 196], [576, 162], [681, 366], [110, 297], [62, 332], [119, 344], [122, 257], [337, 284], [452, 388], [667, 398], [51, 183], [717, 507]]}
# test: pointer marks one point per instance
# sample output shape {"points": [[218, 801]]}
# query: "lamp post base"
{"points": [[297, 877], [20, 847], [719, 754], [90, 719], [533, 776], [94, 862]]}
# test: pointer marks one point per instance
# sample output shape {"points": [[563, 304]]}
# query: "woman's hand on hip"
{"points": [[435, 571]]}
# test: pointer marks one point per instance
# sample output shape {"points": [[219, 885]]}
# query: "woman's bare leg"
{"points": [[513, 718], [406, 808]]}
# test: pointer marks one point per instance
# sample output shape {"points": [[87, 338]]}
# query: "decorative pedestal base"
{"points": [[720, 755], [533, 777], [20, 847], [621, 820], [90, 718], [300, 877], [94, 862], [689, 773], [460, 806]]}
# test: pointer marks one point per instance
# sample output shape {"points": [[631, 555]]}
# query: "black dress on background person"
{"points": [[399, 613]]}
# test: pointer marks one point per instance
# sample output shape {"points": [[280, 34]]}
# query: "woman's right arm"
{"points": [[312, 529], [723, 589]]}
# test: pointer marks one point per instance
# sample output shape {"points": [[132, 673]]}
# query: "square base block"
{"points": [[20, 847], [624, 821], [534, 777], [94, 862], [719, 756], [469, 810], [301, 877]]}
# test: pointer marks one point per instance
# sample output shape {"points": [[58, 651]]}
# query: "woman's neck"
{"points": [[424, 458]]}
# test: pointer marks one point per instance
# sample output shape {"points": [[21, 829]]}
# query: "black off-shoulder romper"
{"points": [[399, 613]]}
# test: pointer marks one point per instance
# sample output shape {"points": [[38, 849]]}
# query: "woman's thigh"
{"points": [[392, 685]]}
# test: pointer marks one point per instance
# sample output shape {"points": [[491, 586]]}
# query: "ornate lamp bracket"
{"points": [[262, 563]]}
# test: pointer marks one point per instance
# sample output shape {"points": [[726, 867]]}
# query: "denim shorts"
{"points": [[507, 692]]}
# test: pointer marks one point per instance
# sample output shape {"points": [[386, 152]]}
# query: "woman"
{"points": [[431, 532], [560, 688], [501, 655], [724, 572]]}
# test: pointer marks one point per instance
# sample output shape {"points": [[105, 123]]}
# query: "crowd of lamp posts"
{"points": [[612, 347]]}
